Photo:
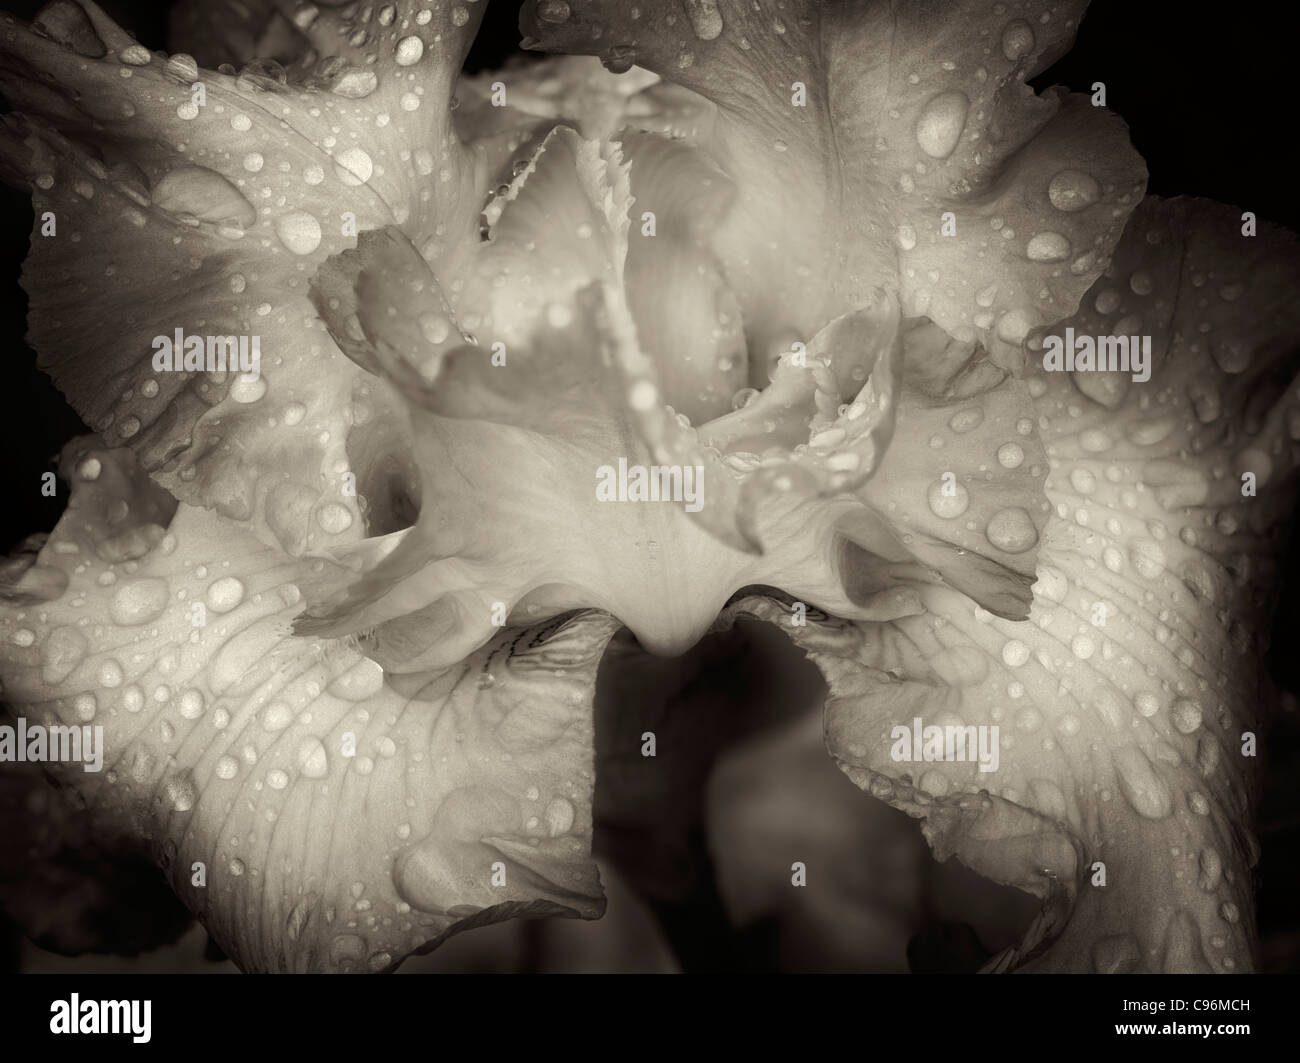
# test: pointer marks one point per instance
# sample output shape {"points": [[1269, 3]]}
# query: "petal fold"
{"points": [[315, 812]]}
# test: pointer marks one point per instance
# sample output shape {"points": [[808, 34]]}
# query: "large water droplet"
{"points": [[553, 11], [1011, 531], [299, 232], [1147, 558], [138, 602], [135, 55], [363, 680], [1073, 190], [1141, 787], [1083, 480], [1147, 704], [1047, 247], [225, 594], [940, 125], [356, 84], [409, 51], [334, 517], [1014, 653], [1186, 716], [1011, 455], [559, 817], [312, 760], [191, 704], [948, 499], [353, 166], [276, 716], [205, 194], [966, 420], [1017, 39], [179, 792], [706, 21], [182, 67]]}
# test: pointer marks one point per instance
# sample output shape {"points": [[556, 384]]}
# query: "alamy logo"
{"points": [[208, 354], [1086, 354], [39, 744], [102, 1016], [653, 483], [955, 742]]}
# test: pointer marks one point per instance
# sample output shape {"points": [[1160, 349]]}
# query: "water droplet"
{"points": [[182, 67], [559, 817], [1232, 355], [966, 420], [1011, 455], [356, 84], [1083, 647], [409, 51], [1017, 39], [1014, 653], [85, 706], [277, 779], [312, 760], [1083, 481], [705, 19], [940, 125], [203, 194], [299, 231], [553, 11], [276, 716], [1048, 247], [191, 704], [227, 768], [1185, 716], [353, 166], [906, 237], [179, 792], [225, 594], [1147, 704], [948, 499], [135, 55], [1011, 531], [1142, 788], [360, 682], [1073, 190], [110, 674], [334, 517], [1095, 441], [138, 602], [1147, 558], [1141, 283], [1108, 301]]}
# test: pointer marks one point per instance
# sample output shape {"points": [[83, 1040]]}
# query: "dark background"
{"points": [[1208, 98]]}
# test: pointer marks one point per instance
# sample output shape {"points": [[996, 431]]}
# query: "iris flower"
{"points": [[341, 619]]}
